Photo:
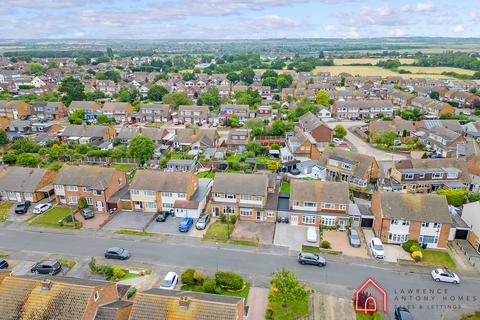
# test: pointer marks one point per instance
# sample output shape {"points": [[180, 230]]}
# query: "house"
{"points": [[401, 98], [128, 133], [315, 202], [193, 114], [155, 112], [472, 219], [325, 114], [84, 134], [181, 165], [443, 141], [400, 217], [180, 192], [91, 109], [242, 112], [17, 109], [362, 109], [120, 111], [473, 167], [26, 184], [237, 140], [49, 110], [265, 112], [95, 184], [161, 304], [463, 98], [403, 128], [316, 128], [19, 127], [48, 297], [342, 165], [302, 144], [196, 139], [427, 175], [248, 196]]}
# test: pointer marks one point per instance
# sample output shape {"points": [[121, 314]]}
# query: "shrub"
{"points": [[198, 277], [407, 245], [117, 273], [233, 219], [414, 248], [210, 286], [188, 277], [106, 270], [417, 256], [325, 244], [454, 197], [223, 218], [92, 264], [82, 203], [131, 291], [229, 280], [473, 196]]}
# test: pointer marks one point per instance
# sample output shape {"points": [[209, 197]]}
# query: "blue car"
{"points": [[185, 224]]}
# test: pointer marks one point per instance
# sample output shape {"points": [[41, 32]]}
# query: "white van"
{"points": [[312, 234]]}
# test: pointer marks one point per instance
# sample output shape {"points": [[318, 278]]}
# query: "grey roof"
{"points": [[193, 295], [364, 104], [435, 164], [416, 207], [84, 131], [318, 191], [84, 105], [130, 132], [85, 176], [21, 179], [363, 162], [238, 183], [162, 181]]}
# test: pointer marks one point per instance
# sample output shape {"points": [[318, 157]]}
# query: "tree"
{"points": [[286, 288], [322, 98], [3, 137], [234, 121], [141, 148], [270, 81], [454, 197], [187, 76], [233, 77], [211, 97], [176, 99], [82, 203], [340, 131], [435, 95], [28, 160], [52, 65], [387, 138], [35, 68], [77, 116], [278, 128], [10, 158], [156, 93], [269, 74], [273, 165], [284, 81], [82, 61], [101, 118], [73, 90], [254, 147], [247, 75], [25, 145], [249, 96]]}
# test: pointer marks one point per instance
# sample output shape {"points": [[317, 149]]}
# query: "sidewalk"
{"points": [[257, 303]]}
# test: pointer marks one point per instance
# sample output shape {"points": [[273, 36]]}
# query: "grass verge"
{"points": [[136, 233], [4, 208]]}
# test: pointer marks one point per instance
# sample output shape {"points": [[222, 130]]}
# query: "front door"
{"points": [[18, 195], [99, 206], [294, 220], [137, 205], [215, 212], [259, 215]]}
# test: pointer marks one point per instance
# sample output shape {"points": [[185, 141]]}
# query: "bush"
{"points": [[106, 270], [473, 196], [92, 264], [188, 277], [82, 203], [198, 277], [325, 244], [414, 248], [454, 197], [210, 286], [223, 218], [229, 280], [407, 245], [117, 273], [131, 291], [417, 256], [233, 219]]}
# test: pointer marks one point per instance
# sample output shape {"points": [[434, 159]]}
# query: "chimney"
{"points": [[184, 303], [46, 285]]}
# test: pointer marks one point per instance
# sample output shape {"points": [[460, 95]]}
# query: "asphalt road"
{"points": [[337, 278]]}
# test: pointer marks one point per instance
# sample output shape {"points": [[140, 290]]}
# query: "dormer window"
{"points": [[408, 176]]}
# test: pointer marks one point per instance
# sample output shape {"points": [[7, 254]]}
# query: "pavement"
{"points": [[170, 226], [339, 242], [254, 231], [257, 303], [292, 237], [130, 220], [393, 252], [333, 308]]}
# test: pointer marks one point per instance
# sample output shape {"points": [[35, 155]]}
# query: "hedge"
{"points": [[187, 276], [407, 245], [454, 197], [229, 280]]}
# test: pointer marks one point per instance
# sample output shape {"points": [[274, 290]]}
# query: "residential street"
{"points": [[338, 278]]}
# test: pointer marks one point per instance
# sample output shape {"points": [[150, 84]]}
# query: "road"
{"points": [[337, 278], [364, 147]]}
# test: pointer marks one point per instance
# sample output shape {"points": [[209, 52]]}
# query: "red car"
{"points": [[178, 123], [131, 122]]}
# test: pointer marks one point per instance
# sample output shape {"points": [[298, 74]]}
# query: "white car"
{"points": [[337, 141], [445, 276], [170, 281], [41, 208], [378, 251], [312, 234]]}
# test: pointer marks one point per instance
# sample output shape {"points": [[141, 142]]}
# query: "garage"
{"points": [[461, 234], [366, 222]]}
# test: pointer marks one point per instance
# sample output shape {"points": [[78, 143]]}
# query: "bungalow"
{"points": [[84, 134], [91, 109], [155, 112], [315, 202], [120, 111], [196, 139], [180, 165], [128, 133], [26, 184], [402, 217]]}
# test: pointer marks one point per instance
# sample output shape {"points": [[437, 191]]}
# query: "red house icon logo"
{"points": [[365, 301]]}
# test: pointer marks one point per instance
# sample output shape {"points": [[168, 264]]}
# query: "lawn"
{"points": [[206, 174], [51, 218], [368, 316], [294, 310], [436, 70], [136, 233], [372, 71], [4, 208], [438, 258], [219, 230], [234, 158], [122, 166], [67, 263], [285, 186]]}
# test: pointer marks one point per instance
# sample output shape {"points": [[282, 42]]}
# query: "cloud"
{"points": [[367, 16], [458, 28], [397, 33]]}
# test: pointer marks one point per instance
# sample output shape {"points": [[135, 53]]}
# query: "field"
{"points": [[373, 61], [373, 71], [436, 70]]}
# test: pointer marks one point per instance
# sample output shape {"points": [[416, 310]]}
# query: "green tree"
{"points": [[28, 160], [176, 99], [54, 152], [454, 197], [141, 148], [234, 121], [270, 81], [249, 96], [322, 98], [95, 95], [110, 53], [233, 77], [286, 289], [340, 131], [77, 116], [156, 93], [254, 147], [269, 74], [435, 95], [247, 75], [73, 89], [52, 65], [211, 97], [35, 68], [284, 81], [3, 137], [81, 61], [278, 128], [387, 138], [25, 145], [82, 203], [101, 118], [10, 158]]}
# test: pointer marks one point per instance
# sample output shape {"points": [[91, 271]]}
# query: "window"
{"points": [[245, 197], [296, 203], [425, 224], [148, 192], [408, 176], [229, 196], [182, 195], [96, 296], [421, 175], [343, 207], [97, 192], [347, 166], [218, 195], [327, 206], [73, 199], [308, 219], [427, 239], [405, 223], [86, 189], [452, 175], [245, 212], [328, 221], [152, 205], [398, 238], [89, 201], [72, 188], [59, 187], [309, 204], [270, 214], [259, 198], [437, 175], [394, 221], [134, 192], [228, 210], [436, 225], [166, 194], [167, 205]]}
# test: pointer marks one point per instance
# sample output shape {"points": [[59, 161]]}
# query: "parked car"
{"points": [[311, 258], [3, 264], [378, 251], [117, 253], [170, 281], [22, 208], [162, 216], [402, 313], [87, 213], [185, 224], [337, 140], [312, 234], [202, 222], [41, 208], [444, 275], [51, 267], [353, 238]]}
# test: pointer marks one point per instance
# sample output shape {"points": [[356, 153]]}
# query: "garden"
{"points": [[428, 257], [56, 217], [116, 273], [221, 231], [4, 209]]}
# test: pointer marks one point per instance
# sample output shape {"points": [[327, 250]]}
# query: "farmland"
{"points": [[436, 70], [366, 71], [373, 61]]}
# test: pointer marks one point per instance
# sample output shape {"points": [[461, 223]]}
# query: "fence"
{"points": [[108, 160]]}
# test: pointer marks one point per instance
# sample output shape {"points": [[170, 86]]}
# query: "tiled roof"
{"points": [[318, 191], [85, 176], [238, 183], [162, 181], [21, 179]]}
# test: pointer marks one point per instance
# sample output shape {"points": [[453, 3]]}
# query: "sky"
{"points": [[237, 19]]}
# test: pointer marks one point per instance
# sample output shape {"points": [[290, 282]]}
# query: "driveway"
{"points": [[257, 303], [130, 220], [290, 236], [339, 242], [92, 223], [171, 227], [254, 231], [364, 147], [12, 216], [393, 252]]}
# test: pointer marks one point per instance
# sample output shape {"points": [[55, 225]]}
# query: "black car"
{"points": [[22, 208], [311, 258], [50, 267], [161, 217], [87, 213], [3, 264], [117, 253], [402, 313]]}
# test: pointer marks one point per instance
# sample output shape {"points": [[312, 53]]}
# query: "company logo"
{"points": [[368, 297]]}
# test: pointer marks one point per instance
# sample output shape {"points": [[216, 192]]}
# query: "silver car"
{"points": [[202, 222], [353, 238]]}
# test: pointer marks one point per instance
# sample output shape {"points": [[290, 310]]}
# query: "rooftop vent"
{"points": [[46, 285], [184, 303]]}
